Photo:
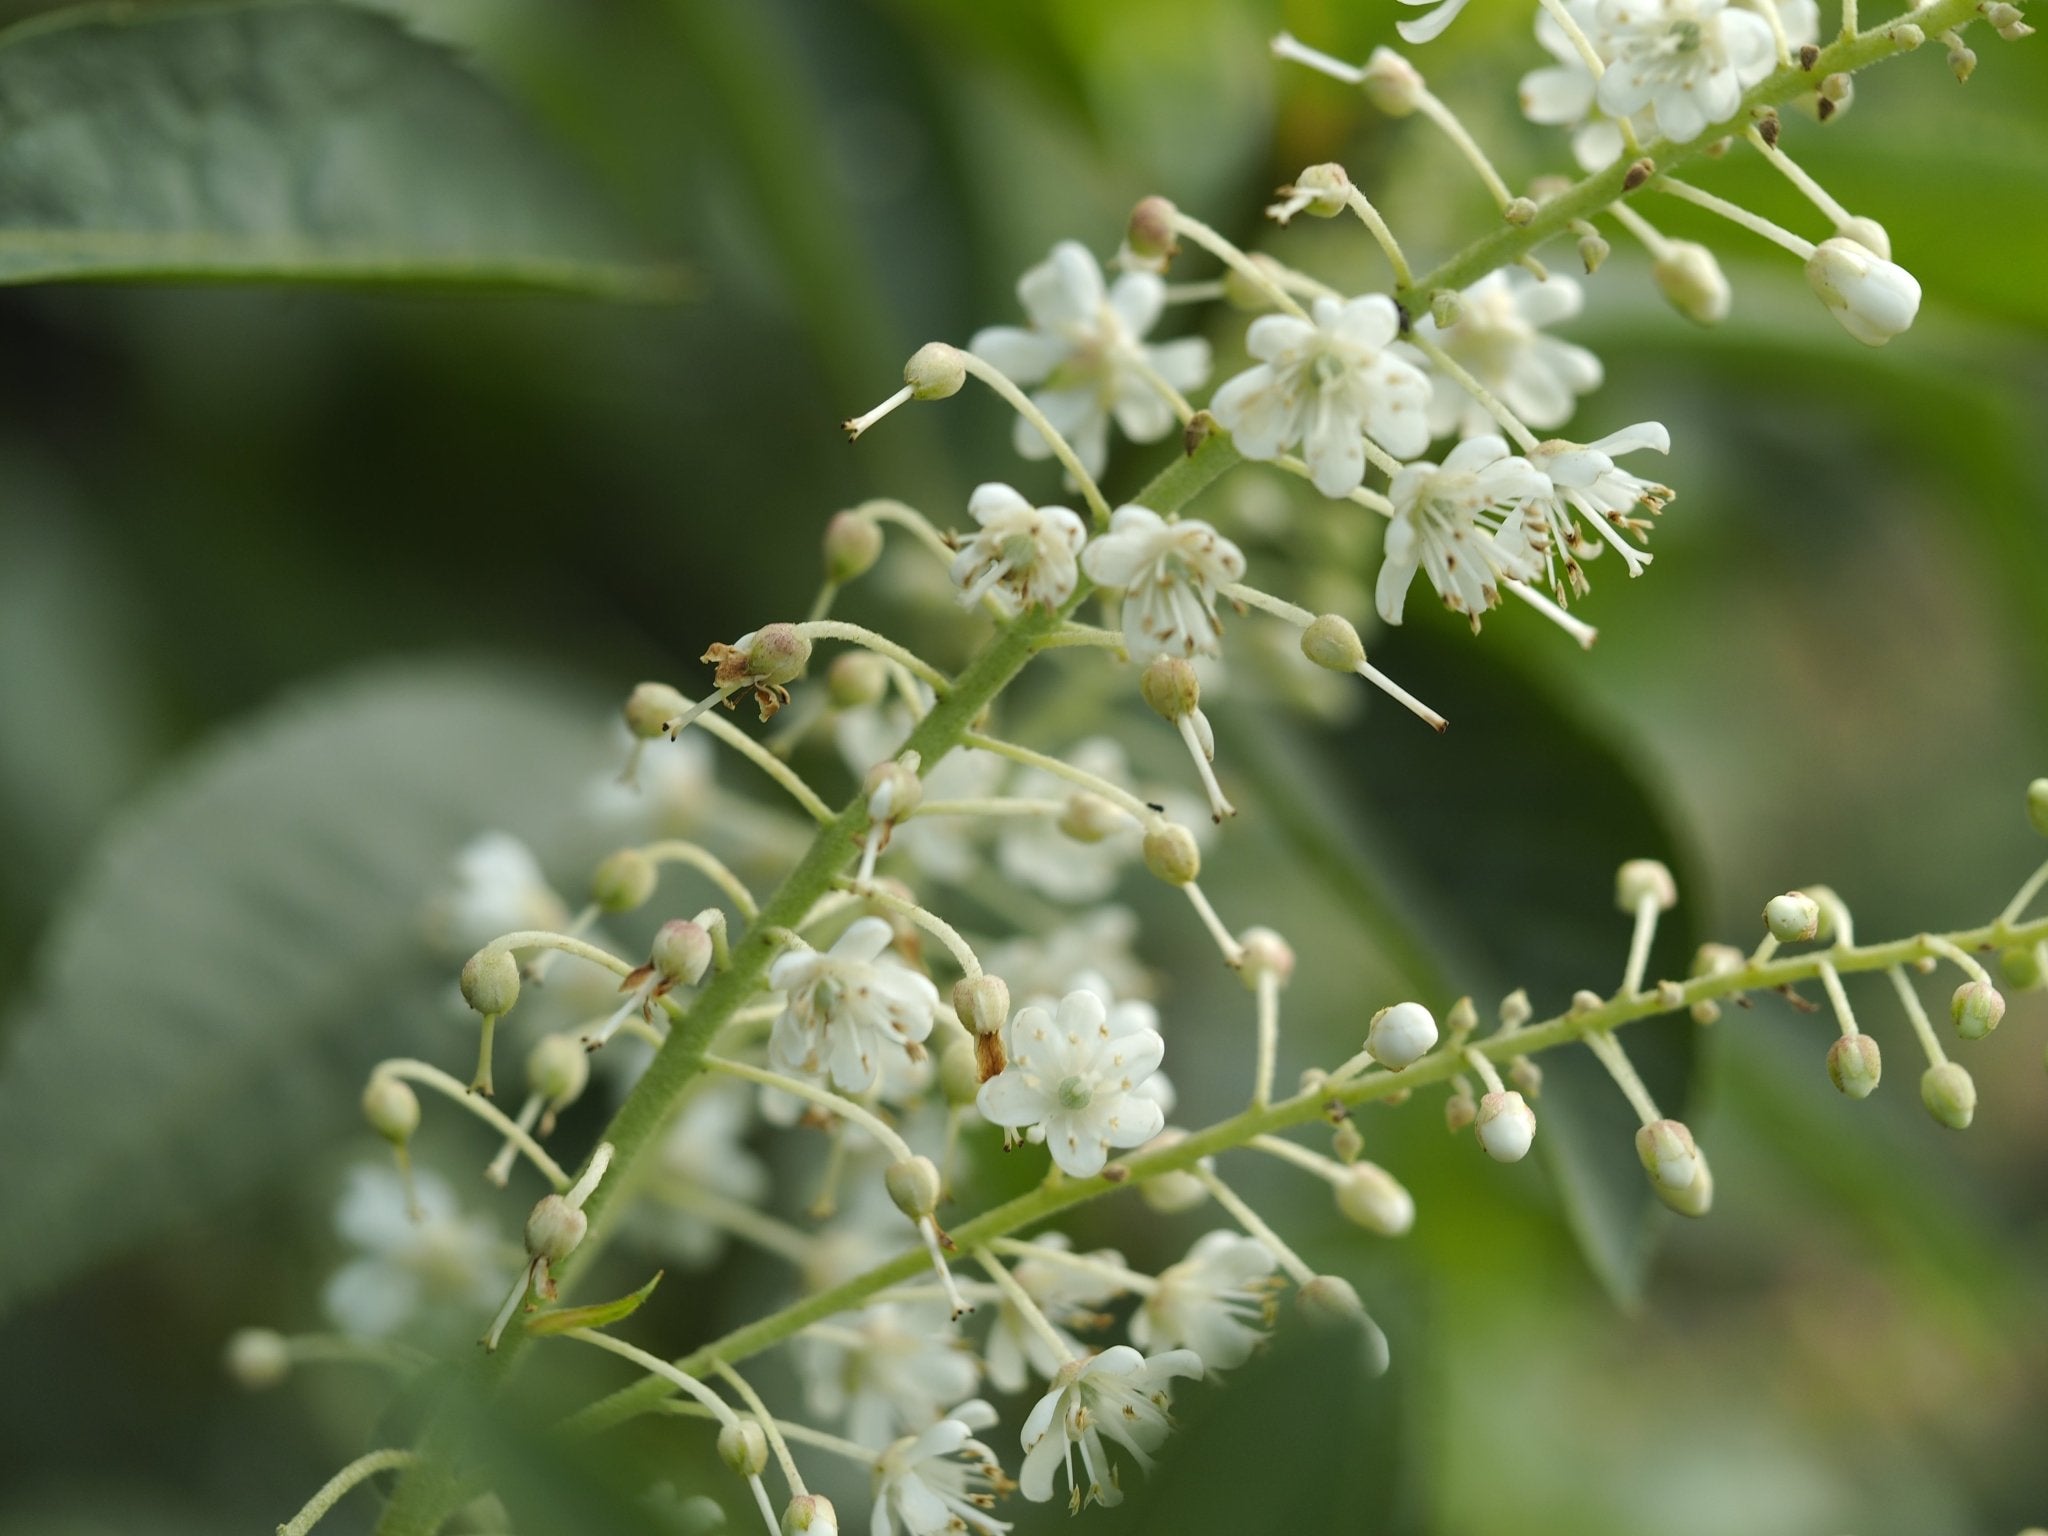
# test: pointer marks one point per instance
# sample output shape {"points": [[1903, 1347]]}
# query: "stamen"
{"points": [[1219, 806], [859, 424], [1286, 45], [1580, 631]]}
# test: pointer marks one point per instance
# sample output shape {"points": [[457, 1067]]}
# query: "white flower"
{"points": [[1327, 384], [1498, 338], [673, 792], [497, 887], [1069, 1296], [943, 847], [1041, 851], [846, 1010], [703, 1153], [1218, 1301], [1124, 1016], [887, 1373], [1025, 555], [1086, 348], [1074, 1078], [1118, 1393], [1168, 573], [1586, 482], [1425, 29], [1448, 522], [1875, 299], [409, 1264], [1049, 964], [1687, 61], [941, 1481]]}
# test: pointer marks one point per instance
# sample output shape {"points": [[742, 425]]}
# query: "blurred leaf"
{"points": [[298, 142], [1483, 860], [247, 942], [597, 1315]]}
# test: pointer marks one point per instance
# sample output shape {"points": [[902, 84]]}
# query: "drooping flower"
{"points": [[942, 847], [410, 1261], [1586, 482], [887, 1372], [1069, 1296], [1168, 573], [1328, 383], [1686, 61], [1427, 28], [1873, 298], [1448, 522], [1218, 1301], [1025, 555], [848, 1009], [1118, 1393], [1499, 339], [941, 1481], [1074, 1078], [1085, 350]]}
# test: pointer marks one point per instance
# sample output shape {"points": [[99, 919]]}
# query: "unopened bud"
{"points": [[1830, 904], [1375, 1200], [1516, 1009], [554, 1228], [1446, 307], [1792, 918], [1172, 1193], [1869, 234], [1089, 818], [914, 1185], [1401, 1035], [1593, 253], [1838, 88], [856, 679], [1170, 686], [1332, 641], [934, 371], [1874, 299], [1506, 1126], [490, 981], [391, 1107], [1855, 1064], [1347, 1142], [1462, 1019], [1907, 35], [1265, 954], [682, 952], [1150, 234], [1391, 83], [1330, 1304], [1459, 1111], [1326, 187], [2022, 967], [1976, 1007], [893, 789], [959, 1078], [558, 1068], [1520, 212], [743, 1448], [810, 1514], [257, 1358], [650, 706], [623, 880], [1666, 1150], [852, 546], [1696, 1198], [1641, 880], [2037, 806], [1527, 1076], [1691, 282], [982, 1003], [1949, 1094], [1171, 854]]}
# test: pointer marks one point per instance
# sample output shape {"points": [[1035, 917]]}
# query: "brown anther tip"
{"points": [[1823, 109], [1115, 1173], [1808, 56], [1638, 173], [1767, 130]]}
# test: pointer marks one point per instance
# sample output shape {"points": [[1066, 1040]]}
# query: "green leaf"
{"points": [[248, 942], [294, 143], [598, 1314], [1483, 860]]}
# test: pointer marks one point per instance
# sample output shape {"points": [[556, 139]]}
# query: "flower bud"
{"points": [[1459, 1111], [649, 707], [1962, 61], [1391, 83], [856, 679], [893, 789], [1265, 953], [1446, 308], [1516, 1009], [1170, 686], [1855, 1064], [1949, 1094], [391, 1107], [1149, 235], [852, 546], [1346, 1142], [810, 1514], [1593, 253], [1330, 1303], [490, 981], [1641, 880], [1462, 1019], [1666, 1150], [1691, 282], [982, 1003], [2037, 806], [1375, 1200], [1520, 212], [1326, 187], [743, 1448], [934, 372], [1088, 818], [959, 1076], [1792, 917], [2022, 967], [623, 880], [682, 952], [558, 1068], [1696, 1198], [1506, 1126], [257, 1358], [554, 1228], [1873, 298], [1171, 854], [1400, 1036], [1869, 234], [1976, 1008], [914, 1185], [1527, 1076], [1172, 1193], [1332, 641]]}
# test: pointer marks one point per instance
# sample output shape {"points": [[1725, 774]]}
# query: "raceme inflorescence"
{"points": [[848, 1005]]}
